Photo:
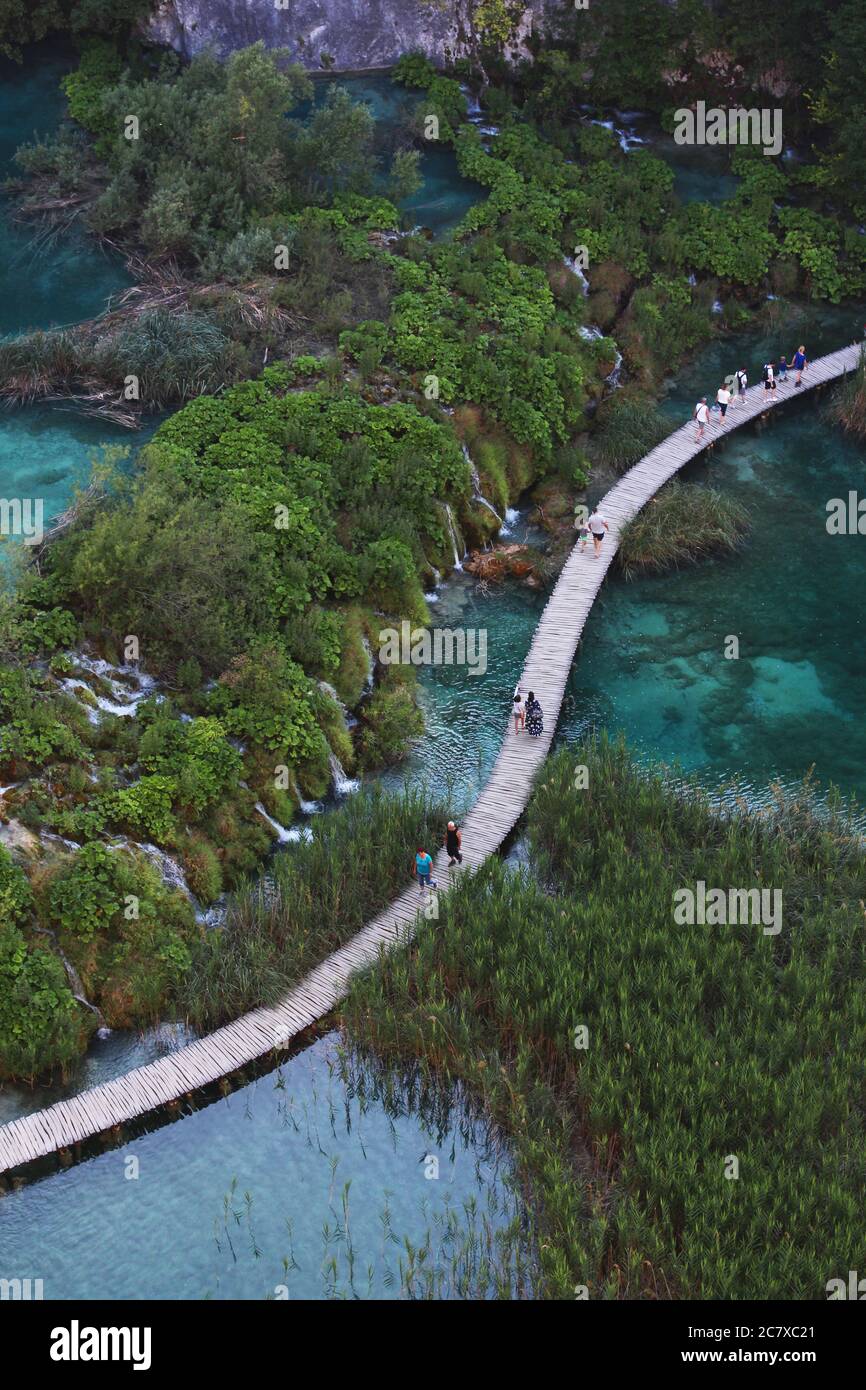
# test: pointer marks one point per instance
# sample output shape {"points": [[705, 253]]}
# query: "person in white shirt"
{"points": [[519, 710], [598, 524], [702, 415], [742, 383], [723, 396]]}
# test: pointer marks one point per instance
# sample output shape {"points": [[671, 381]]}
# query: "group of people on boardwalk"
{"points": [[528, 717], [735, 387], [593, 525], [423, 866]]}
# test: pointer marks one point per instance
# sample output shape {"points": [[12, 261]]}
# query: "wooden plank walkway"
{"points": [[487, 825]]}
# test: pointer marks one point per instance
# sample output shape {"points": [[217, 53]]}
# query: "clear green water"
{"points": [[445, 196], [183, 1229], [45, 450], [71, 279], [701, 172]]}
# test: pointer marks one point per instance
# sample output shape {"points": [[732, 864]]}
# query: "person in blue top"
{"points": [[799, 363], [423, 868]]}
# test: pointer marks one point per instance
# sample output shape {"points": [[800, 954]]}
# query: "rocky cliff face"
{"points": [[336, 34]]}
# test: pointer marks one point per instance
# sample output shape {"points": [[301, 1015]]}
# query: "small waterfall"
{"points": [[327, 689], [342, 784], [213, 916], [453, 533], [473, 105], [371, 665], [591, 334], [512, 516], [75, 985], [69, 685], [626, 138], [59, 840], [477, 495], [579, 272], [125, 702], [170, 871], [283, 834]]}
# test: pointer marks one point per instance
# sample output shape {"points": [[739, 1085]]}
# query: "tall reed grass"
{"points": [[680, 525], [848, 405], [314, 897], [703, 1042]]}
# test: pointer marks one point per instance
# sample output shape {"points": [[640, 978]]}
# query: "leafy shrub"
{"points": [[84, 898]]}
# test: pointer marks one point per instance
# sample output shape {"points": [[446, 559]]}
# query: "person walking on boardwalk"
{"points": [[453, 841], [783, 369], [799, 364], [423, 869], [581, 526], [769, 377], [519, 710], [534, 716], [723, 397], [742, 383], [597, 524], [701, 415]]}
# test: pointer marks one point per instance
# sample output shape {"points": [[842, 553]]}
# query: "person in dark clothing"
{"points": [[453, 841], [534, 716]]}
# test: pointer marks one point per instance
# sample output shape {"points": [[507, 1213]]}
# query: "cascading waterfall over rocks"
{"points": [[570, 263], [340, 781], [454, 534], [477, 495], [285, 834]]}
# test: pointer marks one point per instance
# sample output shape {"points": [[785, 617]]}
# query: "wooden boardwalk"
{"points": [[491, 819]]}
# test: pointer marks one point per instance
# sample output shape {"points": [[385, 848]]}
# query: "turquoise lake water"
{"points": [[445, 196], [45, 450], [167, 1216], [72, 279]]}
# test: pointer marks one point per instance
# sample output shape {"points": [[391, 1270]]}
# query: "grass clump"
{"points": [[701, 1041], [629, 427], [848, 406], [681, 525]]}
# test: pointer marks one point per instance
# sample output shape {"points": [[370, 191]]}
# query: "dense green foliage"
{"points": [[253, 509], [26, 21], [703, 1042]]}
